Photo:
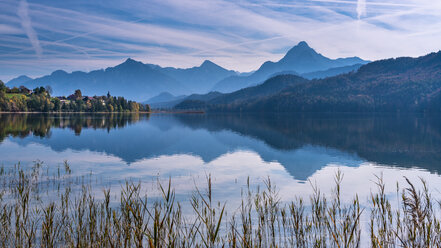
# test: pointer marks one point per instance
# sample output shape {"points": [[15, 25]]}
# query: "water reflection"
{"points": [[39, 125], [403, 140], [303, 144], [290, 149]]}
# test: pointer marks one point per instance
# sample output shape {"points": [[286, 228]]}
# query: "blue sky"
{"points": [[38, 37]]}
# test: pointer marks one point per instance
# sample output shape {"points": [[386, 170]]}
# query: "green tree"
{"points": [[23, 90], [3, 103], [15, 90], [110, 108], [40, 100], [134, 107], [39, 90], [147, 108], [2, 86], [57, 105]]}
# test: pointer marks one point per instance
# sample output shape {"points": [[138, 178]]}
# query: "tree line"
{"points": [[24, 125], [39, 99]]}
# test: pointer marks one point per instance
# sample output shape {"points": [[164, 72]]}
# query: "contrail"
{"points": [[361, 8], [27, 26], [74, 37]]}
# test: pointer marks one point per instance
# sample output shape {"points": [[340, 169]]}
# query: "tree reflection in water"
{"points": [[39, 125]]}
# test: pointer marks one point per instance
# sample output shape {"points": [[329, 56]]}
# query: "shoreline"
{"points": [[139, 112]]}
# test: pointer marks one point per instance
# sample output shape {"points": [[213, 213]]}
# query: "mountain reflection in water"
{"points": [[302, 143]]}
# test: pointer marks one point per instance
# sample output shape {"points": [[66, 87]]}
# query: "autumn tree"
{"points": [[78, 94]]}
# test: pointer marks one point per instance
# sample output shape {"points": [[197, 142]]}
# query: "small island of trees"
{"points": [[22, 99]]}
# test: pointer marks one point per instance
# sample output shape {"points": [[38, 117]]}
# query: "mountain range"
{"points": [[131, 79], [301, 59], [393, 85], [138, 81]]}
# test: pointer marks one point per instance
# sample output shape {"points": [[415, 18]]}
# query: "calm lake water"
{"points": [[292, 150]]}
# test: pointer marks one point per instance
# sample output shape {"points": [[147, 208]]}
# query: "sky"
{"points": [[40, 36]]}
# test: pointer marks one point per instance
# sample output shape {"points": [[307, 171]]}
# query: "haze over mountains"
{"points": [[138, 81]]}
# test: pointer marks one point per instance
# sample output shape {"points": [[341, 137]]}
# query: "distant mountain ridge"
{"points": [[332, 72], [164, 100], [242, 96], [18, 81], [132, 79], [138, 81], [300, 59], [393, 85], [164, 97], [202, 78]]}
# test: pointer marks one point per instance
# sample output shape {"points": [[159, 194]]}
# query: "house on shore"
{"points": [[25, 90]]}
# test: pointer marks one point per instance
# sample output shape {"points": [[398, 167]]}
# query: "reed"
{"points": [[42, 207]]}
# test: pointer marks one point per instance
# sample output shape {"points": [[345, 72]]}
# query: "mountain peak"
{"points": [[165, 94], [129, 64], [19, 80], [130, 61], [303, 53], [302, 47], [208, 63], [24, 77], [303, 44], [59, 73]]}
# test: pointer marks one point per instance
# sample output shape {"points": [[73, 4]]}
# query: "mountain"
{"points": [[164, 97], [204, 97], [268, 88], [304, 59], [332, 72], [199, 79], [138, 81], [132, 79], [322, 74], [393, 85], [300, 59], [164, 100], [18, 81]]}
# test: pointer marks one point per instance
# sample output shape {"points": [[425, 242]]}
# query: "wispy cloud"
{"points": [[7, 29], [239, 35], [27, 26], [361, 8]]}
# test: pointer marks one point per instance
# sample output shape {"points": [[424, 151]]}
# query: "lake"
{"points": [[296, 152], [292, 150]]}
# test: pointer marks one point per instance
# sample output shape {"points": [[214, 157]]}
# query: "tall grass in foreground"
{"points": [[39, 208]]}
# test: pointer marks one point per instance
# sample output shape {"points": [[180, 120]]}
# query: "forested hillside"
{"points": [[393, 85]]}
